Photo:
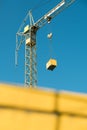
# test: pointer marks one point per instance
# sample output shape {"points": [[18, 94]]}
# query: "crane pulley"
{"points": [[28, 35]]}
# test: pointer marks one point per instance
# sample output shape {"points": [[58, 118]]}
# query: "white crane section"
{"points": [[54, 9], [53, 12]]}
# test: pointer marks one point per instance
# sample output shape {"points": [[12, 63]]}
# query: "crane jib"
{"points": [[53, 12], [54, 9]]}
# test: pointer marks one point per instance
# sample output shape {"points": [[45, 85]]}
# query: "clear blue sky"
{"points": [[69, 44]]}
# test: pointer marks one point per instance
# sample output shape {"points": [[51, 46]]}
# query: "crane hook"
{"points": [[49, 35]]}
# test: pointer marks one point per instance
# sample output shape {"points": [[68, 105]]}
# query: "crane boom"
{"points": [[55, 9], [53, 12], [29, 37]]}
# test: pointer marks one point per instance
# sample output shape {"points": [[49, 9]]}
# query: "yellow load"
{"points": [[51, 64]]}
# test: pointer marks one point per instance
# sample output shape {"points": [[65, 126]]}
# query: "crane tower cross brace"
{"points": [[27, 35]]}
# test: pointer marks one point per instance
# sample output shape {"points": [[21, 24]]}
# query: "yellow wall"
{"points": [[72, 103], [27, 98], [72, 123], [22, 120], [37, 109]]}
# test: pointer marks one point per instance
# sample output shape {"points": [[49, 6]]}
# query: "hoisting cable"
{"points": [[52, 63], [50, 44], [49, 36]]}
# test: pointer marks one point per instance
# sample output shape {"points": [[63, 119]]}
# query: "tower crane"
{"points": [[27, 34]]}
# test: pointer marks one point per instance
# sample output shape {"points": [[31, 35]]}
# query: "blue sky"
{"points": [[69, 44]]}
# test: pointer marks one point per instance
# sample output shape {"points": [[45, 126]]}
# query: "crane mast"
{"points": [[27, 35]]}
